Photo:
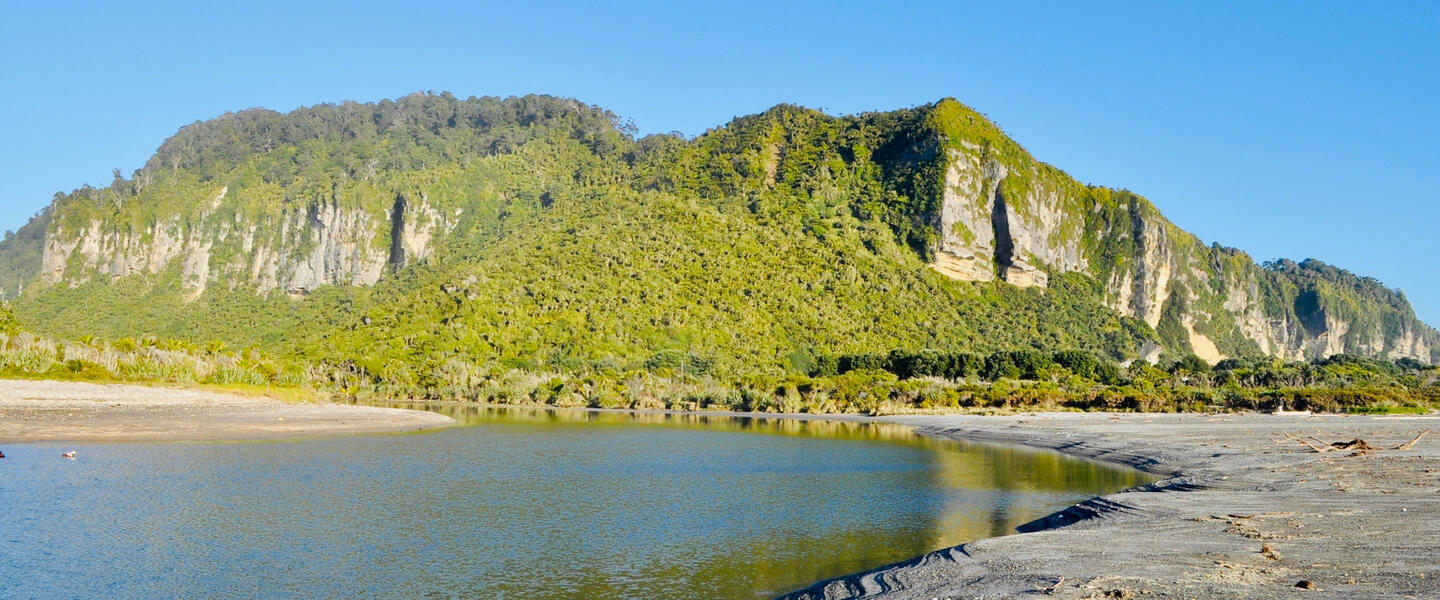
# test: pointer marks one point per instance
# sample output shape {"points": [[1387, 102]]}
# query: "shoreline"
{"points": [[1237, 516], [33, 411]]}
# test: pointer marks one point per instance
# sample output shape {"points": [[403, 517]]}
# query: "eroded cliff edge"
{"points": [[1004, 215]]}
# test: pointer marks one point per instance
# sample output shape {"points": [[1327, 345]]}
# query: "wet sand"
{"points": [[1238, 515], [33, 411]]}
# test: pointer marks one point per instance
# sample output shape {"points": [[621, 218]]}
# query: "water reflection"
{"points": [[519, 503]]}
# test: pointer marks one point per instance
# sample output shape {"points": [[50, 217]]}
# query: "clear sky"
{"points": [[1304, 129]]}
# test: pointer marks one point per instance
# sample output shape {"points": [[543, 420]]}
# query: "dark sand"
{"points": [[1238, 516]]}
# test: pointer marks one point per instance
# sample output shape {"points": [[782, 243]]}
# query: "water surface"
{"points": [[514, 504]]}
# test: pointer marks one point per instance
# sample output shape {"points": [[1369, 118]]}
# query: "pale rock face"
{"points": [[421, 224], [1153, 273], [1010, 252], [1026, 276], [1150, 352], [963, 267], [301, 250], [164, 245], [111, 253], [1202, 346], [1332, 341], [1243, 300], [341, 245], [985, 235], [967, 237], [1040, 238], [1410, 344], [195, 270]]}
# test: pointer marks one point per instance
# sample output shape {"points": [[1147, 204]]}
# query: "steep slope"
{"points": [[1006, 216], [437, 235]]}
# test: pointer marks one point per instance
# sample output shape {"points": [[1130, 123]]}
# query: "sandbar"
{"points": [[36, 411]]}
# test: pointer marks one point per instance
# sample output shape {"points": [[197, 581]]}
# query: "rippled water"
{"points": [[516, 504]]}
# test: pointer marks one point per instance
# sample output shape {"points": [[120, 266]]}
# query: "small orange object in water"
{"points": [[70, 454]]}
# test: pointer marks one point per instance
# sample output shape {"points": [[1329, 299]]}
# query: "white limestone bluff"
{"points": [[1005, 216], [983, 235], [304, 247]]}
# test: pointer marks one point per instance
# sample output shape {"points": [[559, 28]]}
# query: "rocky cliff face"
{"points": [[1005, 216], [985, 234], [301, 248]]}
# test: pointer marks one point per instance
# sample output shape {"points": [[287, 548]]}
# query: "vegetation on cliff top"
{"points": [[759, 249]]}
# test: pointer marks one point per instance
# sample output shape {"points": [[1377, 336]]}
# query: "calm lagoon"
{"points": [[514, 503]]}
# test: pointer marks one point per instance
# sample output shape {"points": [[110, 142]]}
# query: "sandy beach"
{"points": [[33, 411], [1242, 513]]}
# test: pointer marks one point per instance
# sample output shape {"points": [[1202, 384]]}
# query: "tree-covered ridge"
{"points": [[448, 240], [1327, 291], [351, 153], [20, 253], [357, 139]]}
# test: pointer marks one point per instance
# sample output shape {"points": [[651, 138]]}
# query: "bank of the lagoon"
{"points": [[515, 504], [1249, 512], [77, 411]]}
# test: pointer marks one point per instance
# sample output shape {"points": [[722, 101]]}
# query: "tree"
{"points": [[8, 324], [1190, 364]]}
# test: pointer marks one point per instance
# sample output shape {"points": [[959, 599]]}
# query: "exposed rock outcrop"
{"points": [[1010, 218], [306, 247]]}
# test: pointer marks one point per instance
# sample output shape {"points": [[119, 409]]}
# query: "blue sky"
{"points": [[1303, 129]]}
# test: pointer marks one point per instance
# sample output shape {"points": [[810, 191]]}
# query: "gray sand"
{"points": [[33, 411], [1364, 526]]}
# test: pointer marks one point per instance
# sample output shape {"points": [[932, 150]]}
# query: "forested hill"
{"points": [[431, 239]]}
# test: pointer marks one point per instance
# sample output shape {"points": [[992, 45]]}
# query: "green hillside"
{"points": [[430, 241]]}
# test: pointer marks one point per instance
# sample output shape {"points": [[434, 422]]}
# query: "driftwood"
{"points": [[1411, 444], [1358, 445]]}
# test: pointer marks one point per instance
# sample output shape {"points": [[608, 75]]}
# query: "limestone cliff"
{"points": [[303, 246], [1004, 215]]}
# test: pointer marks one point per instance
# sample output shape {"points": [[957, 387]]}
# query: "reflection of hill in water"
{"points": [[524, 503], [993, 478]]}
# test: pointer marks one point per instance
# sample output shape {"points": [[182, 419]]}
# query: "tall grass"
{"points": [[23, 354]]}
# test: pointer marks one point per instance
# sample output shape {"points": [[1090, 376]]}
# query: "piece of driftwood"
{"points": [[1310, 443], [1411, 444], [1359, 446]]}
